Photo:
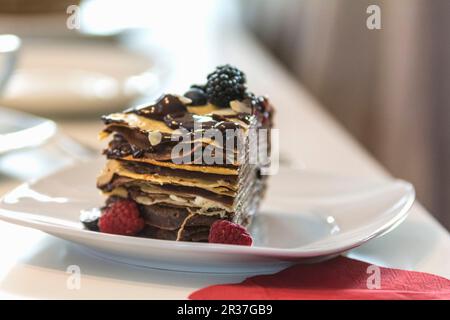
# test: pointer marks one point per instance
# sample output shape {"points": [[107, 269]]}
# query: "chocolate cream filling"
{"points": [[171, 223], [119, 181], [115, 167], [197, 234], [146, 168], [173, 218], [128, 141]]}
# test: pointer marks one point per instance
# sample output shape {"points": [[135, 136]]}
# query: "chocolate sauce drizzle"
{"points": [[165, 105], [173, 112], [191, 122], [188, 121]]}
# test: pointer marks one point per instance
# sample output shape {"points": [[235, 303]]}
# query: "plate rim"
{"points": [[20, 218]]}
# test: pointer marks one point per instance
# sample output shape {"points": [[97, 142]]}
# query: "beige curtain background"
{"points": [[389, 87]]}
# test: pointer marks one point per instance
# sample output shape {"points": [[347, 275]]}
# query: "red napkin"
{"points": [[339, 278]]}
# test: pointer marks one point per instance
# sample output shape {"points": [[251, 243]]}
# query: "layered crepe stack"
{"points": [[180, 194]]}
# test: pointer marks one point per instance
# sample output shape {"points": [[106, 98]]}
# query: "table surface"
{"points": [[34, 265]]}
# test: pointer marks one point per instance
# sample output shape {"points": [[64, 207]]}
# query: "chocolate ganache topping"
{"points": [[190, 121], [173, 111], [165, 105]]}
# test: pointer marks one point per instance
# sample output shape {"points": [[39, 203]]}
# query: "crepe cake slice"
{"points": [[177, 161]]}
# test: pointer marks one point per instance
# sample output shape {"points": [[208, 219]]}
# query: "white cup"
{"points": [[9, 47]]}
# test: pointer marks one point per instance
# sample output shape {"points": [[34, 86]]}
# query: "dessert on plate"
{"points": [[186, 168]]}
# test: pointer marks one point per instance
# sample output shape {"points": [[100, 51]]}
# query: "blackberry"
{"points": [[249, 95], [201, 87], [197, 95], [225, 84]]}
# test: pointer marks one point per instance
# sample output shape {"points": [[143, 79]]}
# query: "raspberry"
{"points": [[223, 231], [121, 217]]}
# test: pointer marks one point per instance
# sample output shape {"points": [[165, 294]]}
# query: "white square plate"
{"points": [[305, 217]]}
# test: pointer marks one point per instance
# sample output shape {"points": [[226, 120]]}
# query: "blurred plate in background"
{"points": [[19, 130], [75, 77]]}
